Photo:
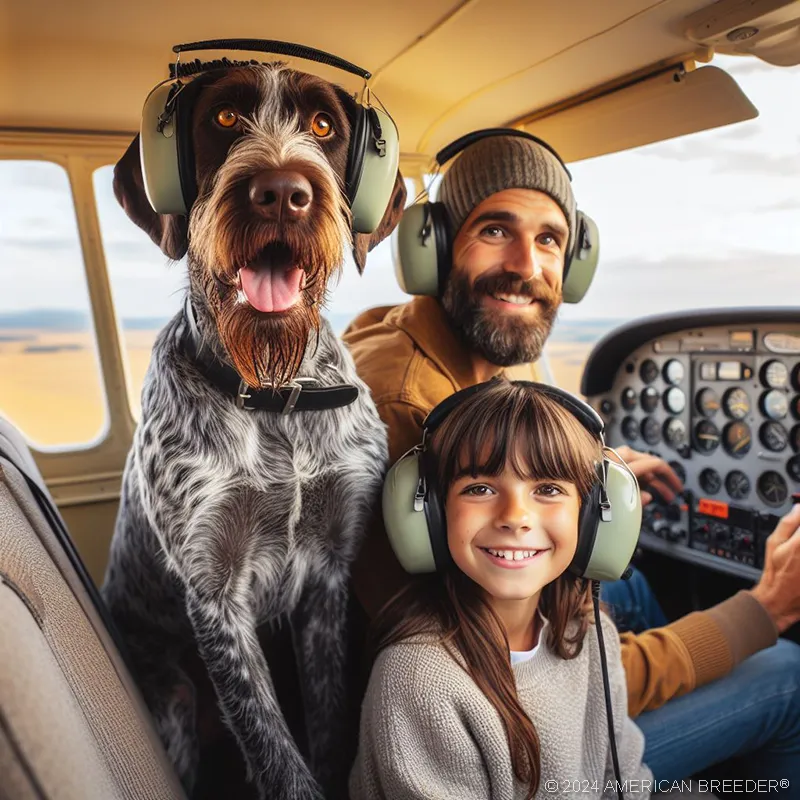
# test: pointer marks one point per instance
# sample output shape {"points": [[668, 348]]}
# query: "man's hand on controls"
{"points": [[655, 476], [779, 588]]}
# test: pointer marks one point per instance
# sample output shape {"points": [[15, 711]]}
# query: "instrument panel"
{"points": [[717, 395]]}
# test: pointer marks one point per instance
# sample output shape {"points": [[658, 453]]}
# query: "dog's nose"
{"points": [[281, 194]]}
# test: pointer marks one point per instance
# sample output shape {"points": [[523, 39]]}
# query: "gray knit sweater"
{"points": [[427, 731]]}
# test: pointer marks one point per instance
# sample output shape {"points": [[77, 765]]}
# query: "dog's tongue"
{"points": [[271, 288]]}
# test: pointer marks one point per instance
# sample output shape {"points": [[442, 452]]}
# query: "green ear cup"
{"points": [[616, 539], [417, 250], [584, 260], [158, 151], [404, 516], [372, 190]]}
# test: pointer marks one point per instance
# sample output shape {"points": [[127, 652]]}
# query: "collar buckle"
{"points": [[242, 394]]}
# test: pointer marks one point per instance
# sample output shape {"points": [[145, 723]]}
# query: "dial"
{"points": [[678, 469], [772, 488], [796, 406], [673, 371], [774, 404], [794, 438], [736, 403], [674, 400], [649, 399], [710, 481], [737, 484], [628, 398], [793, 468], [630, 429], [737, 439], [651, 430], [707, 402], [674, 433], [706, 436], [773, 436], [796, 377], [648, 372], [775, 374]]}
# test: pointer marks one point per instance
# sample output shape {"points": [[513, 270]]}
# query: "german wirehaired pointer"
{"points": [[232, 515]]}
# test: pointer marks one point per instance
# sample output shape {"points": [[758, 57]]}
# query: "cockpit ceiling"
{"points": [[441, 67]]}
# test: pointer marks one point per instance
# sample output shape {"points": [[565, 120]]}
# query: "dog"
{"points": [[232, 516]]}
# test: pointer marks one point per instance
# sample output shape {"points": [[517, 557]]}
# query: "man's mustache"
{"points": [[509, 283]]}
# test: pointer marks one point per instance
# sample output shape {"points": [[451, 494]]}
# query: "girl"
{"points": [[485, 683]]}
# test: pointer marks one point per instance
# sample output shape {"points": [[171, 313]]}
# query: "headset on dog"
{"points": [[423, 245], [166, 148], [413, 507]]}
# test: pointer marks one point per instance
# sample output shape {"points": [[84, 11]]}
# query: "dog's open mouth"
{"points": [[271, 282]]}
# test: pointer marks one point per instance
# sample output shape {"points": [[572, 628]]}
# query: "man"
{"points": [[510, 206]]}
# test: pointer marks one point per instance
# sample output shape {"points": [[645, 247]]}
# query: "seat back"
{"points": [[73, 725]]}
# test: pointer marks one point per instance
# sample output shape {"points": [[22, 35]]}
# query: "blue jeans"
{"points": [[752, 714]]}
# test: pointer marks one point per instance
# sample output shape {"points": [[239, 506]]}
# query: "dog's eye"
{"points": [[227, 118], [322, 125]]}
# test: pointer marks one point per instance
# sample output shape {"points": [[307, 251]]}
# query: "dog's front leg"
{"points": [[224, 626], [319, 624]]}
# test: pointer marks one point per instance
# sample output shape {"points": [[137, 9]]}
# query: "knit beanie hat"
{"points": [[503, 162]]}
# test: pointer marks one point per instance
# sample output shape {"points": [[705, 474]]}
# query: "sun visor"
{"points": [[670, 104]]}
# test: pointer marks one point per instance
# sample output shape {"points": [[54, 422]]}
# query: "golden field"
{"points": [[50, 384]]}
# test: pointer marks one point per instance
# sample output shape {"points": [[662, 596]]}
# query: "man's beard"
{"points": [[501, 339]]}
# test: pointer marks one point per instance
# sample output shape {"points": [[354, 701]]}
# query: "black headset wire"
{"points": [[606, 687]]}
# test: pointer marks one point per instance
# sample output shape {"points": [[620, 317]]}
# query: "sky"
{"points": [[707, 220]]}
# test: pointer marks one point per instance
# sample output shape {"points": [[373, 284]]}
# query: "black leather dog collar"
{"points": [[302, 394]]}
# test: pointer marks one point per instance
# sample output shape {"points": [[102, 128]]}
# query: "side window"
{"points": [[50, 380], [147, 288]]}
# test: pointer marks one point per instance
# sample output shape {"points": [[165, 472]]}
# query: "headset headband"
{"points": [[275, 47], [585, 414], [463, 142]]}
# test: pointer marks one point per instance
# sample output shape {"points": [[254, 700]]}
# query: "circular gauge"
{"points": [[630, 429], [796, 377], [737, 484], [736, 403], [736, 439], [772, 488], [628, 398], [774, 404], [793, 468], [674, 400], [648, 372], [796, 406], [706, 436], [710, 481], [649, 399], [794, 438], [651, 430], [707, 402], [773, 436], [606, 407], [674, 433], [678, 469], [774, 374], [673, 371]]}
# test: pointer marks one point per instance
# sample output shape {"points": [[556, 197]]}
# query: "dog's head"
{"points": [[271, 221]]}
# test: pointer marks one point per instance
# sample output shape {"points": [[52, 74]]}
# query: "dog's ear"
{"points": [[364, 242], [169, 231]]}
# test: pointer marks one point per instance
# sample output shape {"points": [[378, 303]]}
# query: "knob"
{"points": [[675, 533]]}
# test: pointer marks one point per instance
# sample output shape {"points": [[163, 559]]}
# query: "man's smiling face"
{"points": [[504, 289]]}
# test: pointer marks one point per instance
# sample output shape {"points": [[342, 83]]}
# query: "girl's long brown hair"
{"points": [[519, 426]]}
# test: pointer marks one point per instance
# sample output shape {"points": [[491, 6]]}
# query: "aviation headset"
{"points": [[422, 254], [413, 506], [168, 160]]}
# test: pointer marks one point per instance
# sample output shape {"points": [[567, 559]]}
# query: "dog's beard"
{"points": [[266, 349], [501, 339]]}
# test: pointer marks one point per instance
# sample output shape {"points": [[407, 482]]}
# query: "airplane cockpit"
{"points": [[678, 123]]}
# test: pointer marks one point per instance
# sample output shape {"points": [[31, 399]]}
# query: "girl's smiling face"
{"points": [[510, 534]]}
